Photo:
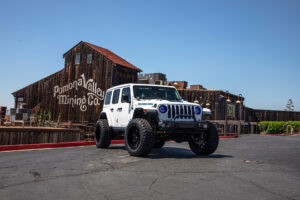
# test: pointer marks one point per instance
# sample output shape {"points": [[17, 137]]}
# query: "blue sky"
{"points": [[248, 47]]}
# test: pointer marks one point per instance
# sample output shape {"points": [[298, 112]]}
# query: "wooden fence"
{"points": [[37, 135], [235, 127]]}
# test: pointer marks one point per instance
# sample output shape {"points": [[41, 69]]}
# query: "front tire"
{"points": [[102, 134], [207, 144], [139, 137]]}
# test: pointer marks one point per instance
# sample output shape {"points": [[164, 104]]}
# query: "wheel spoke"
{"points": [[134, 138]]}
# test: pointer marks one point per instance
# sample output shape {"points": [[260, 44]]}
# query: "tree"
{"points": [[289, 105]]}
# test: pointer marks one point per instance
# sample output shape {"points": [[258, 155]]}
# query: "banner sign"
{"points": [[230, 110], [94, 95]]}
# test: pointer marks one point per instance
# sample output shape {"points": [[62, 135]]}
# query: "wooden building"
{"points": [[178, 84], [258, 115], [78, 90], [152, 78]]}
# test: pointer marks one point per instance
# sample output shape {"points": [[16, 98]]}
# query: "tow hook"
{"points": [[203, 125]]}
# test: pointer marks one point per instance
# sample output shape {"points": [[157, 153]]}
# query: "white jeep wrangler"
{"points": [[148, 115]]}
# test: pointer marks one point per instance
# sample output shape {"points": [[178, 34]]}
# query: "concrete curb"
{"points": [[65, 144], [284, 134], [51, 145]]}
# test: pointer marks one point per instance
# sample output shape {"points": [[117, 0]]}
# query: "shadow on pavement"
{"points": [[180, 153], [173, 152]]}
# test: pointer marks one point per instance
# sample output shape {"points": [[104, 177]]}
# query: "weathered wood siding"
{"points": [[102, 74]]}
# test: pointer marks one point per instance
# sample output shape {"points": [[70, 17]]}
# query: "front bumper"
{"points": [[180, 130], [174, 124], [182, 125]]}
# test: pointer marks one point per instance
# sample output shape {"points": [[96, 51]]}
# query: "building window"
{"points": [[20, 99], [77, 59], [89, 58]]}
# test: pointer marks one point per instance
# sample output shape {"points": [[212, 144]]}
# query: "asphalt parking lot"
{"points": [[248, 167]]}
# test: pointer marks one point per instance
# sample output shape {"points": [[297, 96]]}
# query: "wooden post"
{"points": [[239, 128], [287, 129]]}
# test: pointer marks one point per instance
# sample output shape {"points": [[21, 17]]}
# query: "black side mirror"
{"points": [[125, 98], [183, 98]]}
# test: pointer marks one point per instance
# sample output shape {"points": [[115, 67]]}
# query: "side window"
{"points": [[126, 91], [115, 99], [107, 98]]}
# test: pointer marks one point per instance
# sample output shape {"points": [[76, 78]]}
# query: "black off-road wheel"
{"points": [[207, 143], [102, 134], [159, 144], [139, 137]]}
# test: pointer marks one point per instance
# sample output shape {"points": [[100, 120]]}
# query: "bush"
{"points": [[271, 127]]}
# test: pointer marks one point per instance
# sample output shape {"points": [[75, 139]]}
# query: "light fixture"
{"points": [[228, 100], [239, 98]]}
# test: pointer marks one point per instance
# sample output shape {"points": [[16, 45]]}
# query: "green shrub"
{"points": [[271, 127]]}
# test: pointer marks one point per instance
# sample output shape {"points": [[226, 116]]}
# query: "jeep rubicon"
{"points": [[148, 115]]}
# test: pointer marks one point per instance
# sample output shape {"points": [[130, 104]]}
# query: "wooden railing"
{"points": [[36, 135], [235, 127]]}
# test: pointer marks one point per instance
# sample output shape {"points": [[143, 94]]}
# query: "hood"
{"points": [[152, 102]]}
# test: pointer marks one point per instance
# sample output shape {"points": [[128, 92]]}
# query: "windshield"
{"points": [[152, 92]]}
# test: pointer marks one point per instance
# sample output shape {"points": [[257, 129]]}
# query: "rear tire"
{"points": [[139, 137], [159, 144], [208, 144], [102, 134]]}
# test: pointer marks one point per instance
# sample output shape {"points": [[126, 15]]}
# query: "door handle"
{"points": [[111, 109], [120, 109]]}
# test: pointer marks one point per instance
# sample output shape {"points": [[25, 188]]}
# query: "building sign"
{"points": [[94, 95], [230, 110]]}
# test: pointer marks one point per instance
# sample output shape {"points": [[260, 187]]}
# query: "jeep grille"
{"points": [[174, 110]]}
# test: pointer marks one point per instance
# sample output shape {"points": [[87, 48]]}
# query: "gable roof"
{"points": [[110, 55], [113, 57]]}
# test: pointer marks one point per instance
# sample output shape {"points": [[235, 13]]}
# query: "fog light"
{"points": [[168, 125]]}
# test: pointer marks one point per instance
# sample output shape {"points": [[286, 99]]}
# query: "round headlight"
{"points": [[197, 110], [163, 109]]}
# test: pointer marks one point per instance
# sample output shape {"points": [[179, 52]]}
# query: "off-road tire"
{"points": [[102, 134], [211, 138], [144, 142], [159, 144]]}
